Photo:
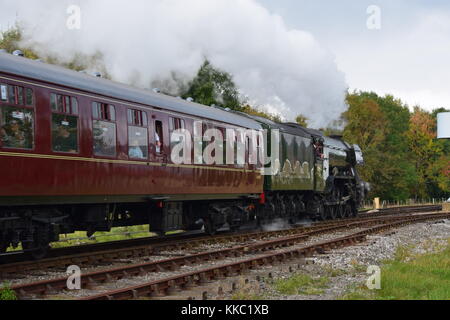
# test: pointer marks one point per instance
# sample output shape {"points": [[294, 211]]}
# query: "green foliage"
{"points": [[6, 293], [412, 277], [255, 112], [403, 157], [302, 120], [212, 86], [302, 284], [12, 39]]}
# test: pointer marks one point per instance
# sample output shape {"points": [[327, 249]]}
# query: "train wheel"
{"points": [[354, 211], [210, 228], [348, 211], [332, 212], [39, 247], [290, 206], [322, 212], [280, 207], [341, 212], [37, 252], [3, 247]]}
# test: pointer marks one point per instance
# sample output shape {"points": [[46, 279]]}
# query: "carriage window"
{"points": [[16, 95], [104, 129], [64, 123], [137, 118], [17, 128], [103, 111], [4, 92], [176, 124], [175, 138], [12, 94], [29, 97], [64, 104], [64, 133], [20, 96], [137, 134], [159, 138]]}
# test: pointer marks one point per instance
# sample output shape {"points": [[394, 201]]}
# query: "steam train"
{"points": [[82, 153]]}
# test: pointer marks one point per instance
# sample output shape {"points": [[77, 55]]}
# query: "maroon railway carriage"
{"points": [[79, 152]]}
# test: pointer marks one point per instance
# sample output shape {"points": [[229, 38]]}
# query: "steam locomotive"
{"points": [[82, 153]]}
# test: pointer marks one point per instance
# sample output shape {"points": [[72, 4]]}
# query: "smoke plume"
{"points": [[282, 70]]}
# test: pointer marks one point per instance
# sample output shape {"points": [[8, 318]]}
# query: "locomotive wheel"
{"points": [[354, 211], [3, 247], [235, 228], [322, 212], [269, 211], [280, 207], [290, 206], [348, 211], [210, 228], [341, 212], [333, 212]]}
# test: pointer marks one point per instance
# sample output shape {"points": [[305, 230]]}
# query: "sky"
{"points": [[409, 56], [287, 56]]}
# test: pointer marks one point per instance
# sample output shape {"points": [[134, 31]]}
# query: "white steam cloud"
{"points": [[279, 69]]}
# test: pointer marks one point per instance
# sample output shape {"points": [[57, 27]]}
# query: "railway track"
{"points": [[180, 281], [104, 253], [402, 210]]}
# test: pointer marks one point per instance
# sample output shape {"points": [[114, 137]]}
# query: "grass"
{"points": [[333, 273], [302, 284], [411, 276], [116, 234], [6, 293], [246, 292]]}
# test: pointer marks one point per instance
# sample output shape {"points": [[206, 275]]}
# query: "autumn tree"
{"points": [[366, 127], [428, 155]]}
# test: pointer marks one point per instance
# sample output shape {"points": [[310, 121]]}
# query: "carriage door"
{"points": [[320, 165], [326, 163], [159, 136]]}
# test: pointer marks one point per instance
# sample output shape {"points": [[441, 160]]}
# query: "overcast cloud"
{"points": [[288, 56]]}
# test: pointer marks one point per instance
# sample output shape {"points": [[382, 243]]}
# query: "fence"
{"points": [[404, 203]]}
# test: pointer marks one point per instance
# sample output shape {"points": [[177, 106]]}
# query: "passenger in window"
{"points": [[158, 143], [104, 139], [65, 141], [13, 136], [136, 151]]}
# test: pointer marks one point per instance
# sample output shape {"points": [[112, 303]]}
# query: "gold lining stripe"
{"points": [[151, 164]]}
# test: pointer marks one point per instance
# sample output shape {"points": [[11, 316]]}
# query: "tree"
{"points": [[212, 86], [366, 127], [302, 120], [427, 154], [11, 40]]}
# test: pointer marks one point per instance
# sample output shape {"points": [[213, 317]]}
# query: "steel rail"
{"points": [[89, 280]]}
